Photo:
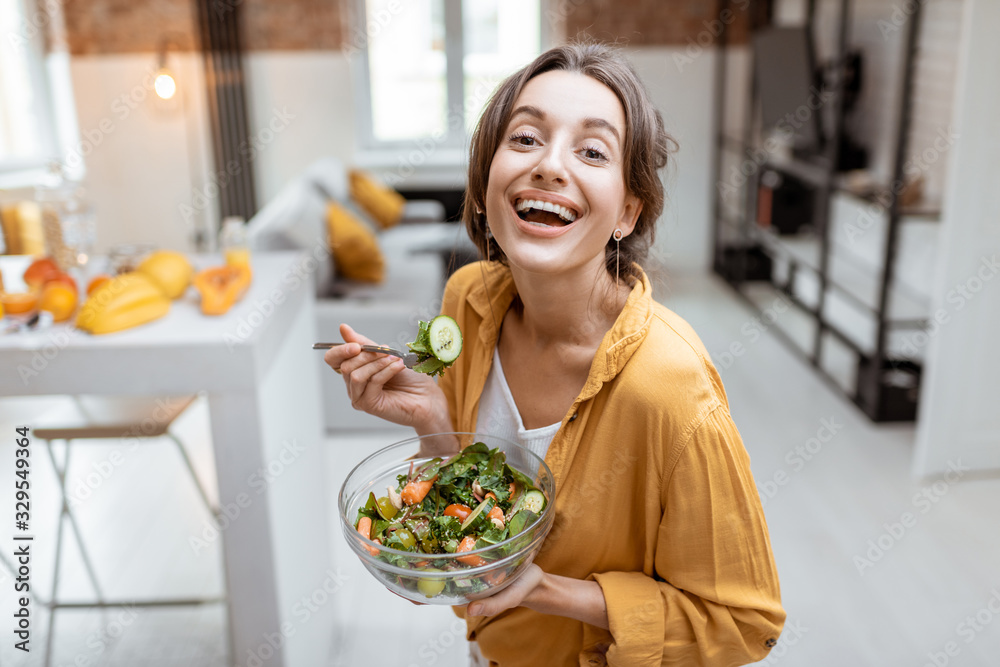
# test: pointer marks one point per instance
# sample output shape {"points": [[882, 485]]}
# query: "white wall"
{"points": [[316, 90], [144, 158], [958, 419], [681, 84]]}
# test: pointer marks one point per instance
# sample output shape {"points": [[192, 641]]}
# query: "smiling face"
{"points": [[556, 190]]}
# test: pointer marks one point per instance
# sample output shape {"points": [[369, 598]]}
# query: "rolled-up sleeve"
{"points": [[714, 598]]}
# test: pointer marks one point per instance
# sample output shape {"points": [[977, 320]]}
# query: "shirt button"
{"points": [[574, 416], [770, 643]]}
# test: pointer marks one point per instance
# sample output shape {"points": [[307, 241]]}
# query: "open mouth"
{"points": [[543, 213]]}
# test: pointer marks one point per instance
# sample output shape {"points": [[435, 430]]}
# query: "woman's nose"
{"points": [[551, 166]]}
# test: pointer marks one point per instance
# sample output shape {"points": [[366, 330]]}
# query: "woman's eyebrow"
{"points": [[600, 122], [587, 122]]}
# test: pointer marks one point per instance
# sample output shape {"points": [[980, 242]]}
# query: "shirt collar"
{"points": [[492, 296]]}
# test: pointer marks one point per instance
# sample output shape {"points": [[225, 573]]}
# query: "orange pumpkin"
{"points": [[222, 286]]}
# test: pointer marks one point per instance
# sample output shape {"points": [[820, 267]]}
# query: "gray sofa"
{"points": [[418, 254]]}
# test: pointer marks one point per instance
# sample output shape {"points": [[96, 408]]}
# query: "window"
{"points": [[427, 67], [27, 131]]}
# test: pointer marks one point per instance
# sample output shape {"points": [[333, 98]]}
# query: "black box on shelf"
{"points": [[756, 264], [890, 391], [784, 203]]}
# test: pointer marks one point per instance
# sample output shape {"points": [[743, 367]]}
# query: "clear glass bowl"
{"points": [[442, 578]]}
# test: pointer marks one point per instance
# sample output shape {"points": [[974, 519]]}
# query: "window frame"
{"points": [[452, 148], [41, 82]]}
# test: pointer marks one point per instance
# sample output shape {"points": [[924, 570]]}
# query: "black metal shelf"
{"points": [[857, 305]]}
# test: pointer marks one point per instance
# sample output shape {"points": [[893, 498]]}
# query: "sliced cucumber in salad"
{"points": [[438, 344]]}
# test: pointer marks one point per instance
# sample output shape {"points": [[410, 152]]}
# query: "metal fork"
{"points": [[409, 358]]}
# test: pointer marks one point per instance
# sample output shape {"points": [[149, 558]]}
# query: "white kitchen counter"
{"points": [[262, 380]]}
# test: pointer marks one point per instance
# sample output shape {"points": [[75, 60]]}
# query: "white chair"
{"points": [[110, 417]]}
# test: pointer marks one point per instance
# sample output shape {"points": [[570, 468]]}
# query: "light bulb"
{"points": [[165, 85]]}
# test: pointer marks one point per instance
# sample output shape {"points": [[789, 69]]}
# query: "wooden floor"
{"points": [[860, 587]]}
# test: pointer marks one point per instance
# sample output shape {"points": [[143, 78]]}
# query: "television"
{"points": [[784, 75]]}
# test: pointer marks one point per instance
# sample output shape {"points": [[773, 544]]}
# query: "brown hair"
{"points": [[647, 146]]}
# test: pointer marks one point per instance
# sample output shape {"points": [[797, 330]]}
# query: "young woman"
{"points": [[659, 554]]}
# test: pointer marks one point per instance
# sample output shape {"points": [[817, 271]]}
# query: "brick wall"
{"points": [[650, 22], [139, 26]]}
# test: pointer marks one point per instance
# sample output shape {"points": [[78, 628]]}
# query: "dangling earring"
{"points": [[618, 236]]}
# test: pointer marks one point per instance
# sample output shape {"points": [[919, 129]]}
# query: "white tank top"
{"points": [[498, 414]]}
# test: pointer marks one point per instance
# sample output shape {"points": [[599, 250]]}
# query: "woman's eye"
{"points": [[523, 139], [594, 154]]}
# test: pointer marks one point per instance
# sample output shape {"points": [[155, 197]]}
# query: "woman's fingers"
{"points": [[373, 387], [366, 380], [335, 356], [352, 336]]}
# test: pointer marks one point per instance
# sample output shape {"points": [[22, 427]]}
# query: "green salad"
{"points": [[438, 344], [470, 501]]}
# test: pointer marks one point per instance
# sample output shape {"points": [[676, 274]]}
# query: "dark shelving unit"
{"points": [[855, 310]]}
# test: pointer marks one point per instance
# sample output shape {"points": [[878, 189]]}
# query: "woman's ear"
{"points": [[630, 214]]}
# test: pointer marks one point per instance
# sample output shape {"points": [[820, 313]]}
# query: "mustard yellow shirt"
{"points": [[654, 497]]}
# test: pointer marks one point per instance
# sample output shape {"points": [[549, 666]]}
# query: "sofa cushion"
{"points": [[353, 246], [383, 204]]}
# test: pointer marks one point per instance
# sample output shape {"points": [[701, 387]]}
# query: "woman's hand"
{"points": [[515, 595], [548, 594], [381, 385]]}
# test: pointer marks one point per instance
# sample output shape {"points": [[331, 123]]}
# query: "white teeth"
{"points": [[561, 211]]}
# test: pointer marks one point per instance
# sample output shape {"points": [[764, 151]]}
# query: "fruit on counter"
{"points": [[97, 281], [63, 279], [18, 303], [123, 302], [221, 287], [168, 269], [41, 271], [237, 257], [59, 299]]}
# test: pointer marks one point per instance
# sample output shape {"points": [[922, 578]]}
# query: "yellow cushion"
{"points": [[383, 204], [356, 254], [22, 228]]}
